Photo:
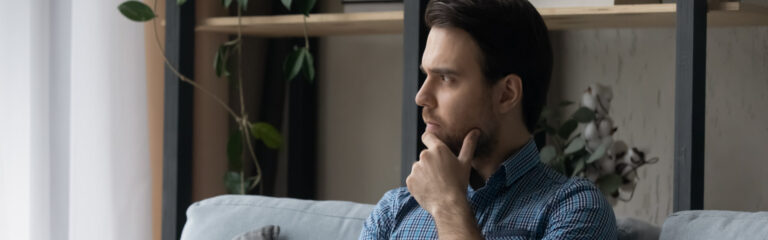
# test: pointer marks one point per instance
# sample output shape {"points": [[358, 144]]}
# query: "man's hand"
{"points": [[438, 181]]}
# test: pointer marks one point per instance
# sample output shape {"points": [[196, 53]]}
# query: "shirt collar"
{"points": [[514, 167], [521, 162]]}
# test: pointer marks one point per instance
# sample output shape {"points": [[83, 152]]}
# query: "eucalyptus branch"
{"points": [[185, 78]]}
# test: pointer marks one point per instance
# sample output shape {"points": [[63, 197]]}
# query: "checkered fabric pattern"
{"points": [[524, 199]]}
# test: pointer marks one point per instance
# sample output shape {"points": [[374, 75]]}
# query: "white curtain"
{"points": [[74, 158]]}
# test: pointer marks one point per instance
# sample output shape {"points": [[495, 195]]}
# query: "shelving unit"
{"points": [[625, 16]]}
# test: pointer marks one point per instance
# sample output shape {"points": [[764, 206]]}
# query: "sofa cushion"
{"points": [[711, 224], [227, 216]]}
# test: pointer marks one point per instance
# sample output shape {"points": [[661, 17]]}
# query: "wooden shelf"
{"points": [[649, 15], [624, 16], [319, 24]]}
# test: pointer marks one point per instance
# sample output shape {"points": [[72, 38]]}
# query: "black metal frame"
{"points": [[690, 89], [177, 123], [689, 97], [415, 38]]}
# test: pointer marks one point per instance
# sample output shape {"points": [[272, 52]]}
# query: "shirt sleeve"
{"points": [[581, 213], [379, 223]]}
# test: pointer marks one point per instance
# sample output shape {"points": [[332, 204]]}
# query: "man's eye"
{"points": [[442, 77]]}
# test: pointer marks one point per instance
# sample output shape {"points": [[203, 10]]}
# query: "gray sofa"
{"points": [[228, 216]]}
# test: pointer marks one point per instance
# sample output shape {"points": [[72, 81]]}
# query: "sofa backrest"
{"points": [[712, 224], [227, 216]]}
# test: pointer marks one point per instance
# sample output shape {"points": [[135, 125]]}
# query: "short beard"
{"points": [[486, 142]]}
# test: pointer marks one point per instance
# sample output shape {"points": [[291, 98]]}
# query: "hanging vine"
{"points": [[300, 60]]}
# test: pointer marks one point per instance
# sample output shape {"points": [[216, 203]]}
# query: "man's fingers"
{"points": [[431, 141], [468, 147]]}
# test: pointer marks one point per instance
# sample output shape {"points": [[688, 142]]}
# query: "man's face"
{"points": [[455, 97]]}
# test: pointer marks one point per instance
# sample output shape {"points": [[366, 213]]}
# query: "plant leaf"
{"points": [[220, 61], [180, 2], [584, 115], [243, 4], [609, 184], [232, 183], [565, 103], [578, 166], [136, 11], [575, 145], [567, 128], [287, 4], [547, 154], [293, 63], [267, 133], [309, 64], [598, 153], [226, 3], [235, 151], [305, 6]]}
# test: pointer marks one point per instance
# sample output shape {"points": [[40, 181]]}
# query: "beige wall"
{"points": [[359, 111], [639, 66], [211, 121], [359, 116]]}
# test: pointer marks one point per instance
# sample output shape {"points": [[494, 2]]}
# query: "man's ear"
{"points": [[509, 92]]}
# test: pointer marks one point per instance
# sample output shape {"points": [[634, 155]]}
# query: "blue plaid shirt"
{"points": [[524, 199]]}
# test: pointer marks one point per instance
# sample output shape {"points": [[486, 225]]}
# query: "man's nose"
{"points": [[425, 97]]}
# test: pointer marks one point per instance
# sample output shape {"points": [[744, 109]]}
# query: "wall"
{"points": [[359, 115], [639, 65], [211, 121], [359, 104]]}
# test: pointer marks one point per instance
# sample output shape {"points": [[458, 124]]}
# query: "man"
{"points": [[488, 64]]}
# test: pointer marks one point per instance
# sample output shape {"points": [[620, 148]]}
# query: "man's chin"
{"points": [[452, 143]]}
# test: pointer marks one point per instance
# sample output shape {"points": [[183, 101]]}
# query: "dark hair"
{"points": [[513, 39]]}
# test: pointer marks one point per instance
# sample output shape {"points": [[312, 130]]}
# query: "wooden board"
{"points": [[619, 16], [320, 24]]}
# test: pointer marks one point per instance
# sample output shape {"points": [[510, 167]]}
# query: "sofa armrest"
{"points": [[227, 216], [710, 224]]}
